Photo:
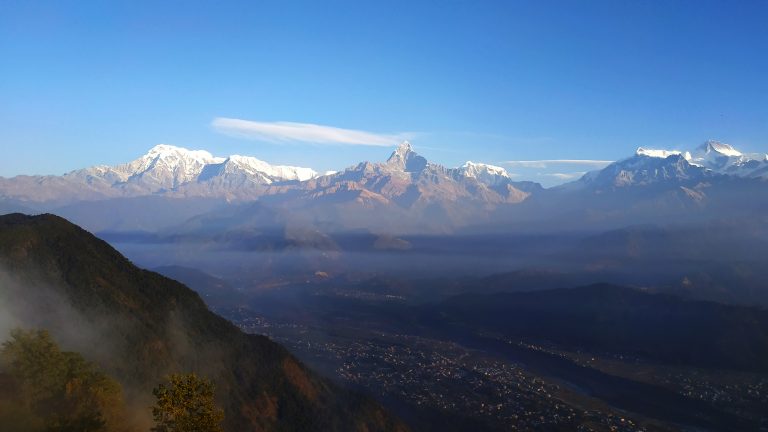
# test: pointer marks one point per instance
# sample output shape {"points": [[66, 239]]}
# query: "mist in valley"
{"points": [[383, 217]]}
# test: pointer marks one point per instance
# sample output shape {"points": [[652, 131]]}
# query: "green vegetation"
{"points": [[149, 326], [186, 405], [47, 389]]}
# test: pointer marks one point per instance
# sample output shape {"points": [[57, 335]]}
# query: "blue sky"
{"points": [[84, 83]]}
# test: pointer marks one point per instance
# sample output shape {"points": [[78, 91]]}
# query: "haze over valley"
{"points": [[394, 217]]}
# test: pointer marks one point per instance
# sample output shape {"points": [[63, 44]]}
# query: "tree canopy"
{"points": [[47, 389], [186, 404]]}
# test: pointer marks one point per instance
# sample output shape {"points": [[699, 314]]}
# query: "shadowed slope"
{"points": [[139, 326]]}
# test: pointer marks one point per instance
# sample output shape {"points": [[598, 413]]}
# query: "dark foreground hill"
{"points": [[139, 326]]}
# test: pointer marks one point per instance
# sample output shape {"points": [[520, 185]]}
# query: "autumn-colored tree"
{"points": [[186, 404], [59, 390]]}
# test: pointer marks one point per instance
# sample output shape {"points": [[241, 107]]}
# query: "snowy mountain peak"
{"points": [[725, 159], [652, 166], [166, 151], [488, 174], [255, 167], [167, 166], [717, 147], [663, 154], [401, 152], [478, 166], [647, 167], [405, 159]]}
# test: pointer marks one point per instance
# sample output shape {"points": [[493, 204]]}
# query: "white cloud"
{"points": [[565, 176], [303, 132], [545, 163]]}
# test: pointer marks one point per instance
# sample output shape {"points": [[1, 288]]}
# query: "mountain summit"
{"points": [[718, 148], [405, 159], [649, 166], [406, 193], [725, 159], [165, 170], [163, 167], [490, 175]]}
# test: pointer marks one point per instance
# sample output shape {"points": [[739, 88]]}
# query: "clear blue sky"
{"points": [[83, 83]]}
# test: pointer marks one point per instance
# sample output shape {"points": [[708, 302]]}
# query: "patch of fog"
{"points": [[37, 305], [232, 264], [40, 305]]}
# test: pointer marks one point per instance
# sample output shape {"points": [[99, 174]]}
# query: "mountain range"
{"points": [[175, 171], [404, 194]]}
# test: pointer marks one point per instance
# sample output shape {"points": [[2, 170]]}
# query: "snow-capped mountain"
{"points": [[172, 167], [405, 159], [246, 169], [653, 166], [406, 193], [725, 159], [646, 167], [652, 186], [487, 174], [164, 169], [409, 179]]}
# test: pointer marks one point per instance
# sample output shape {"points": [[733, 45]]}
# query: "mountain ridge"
{"points": [[139, 326], [403, 195]]}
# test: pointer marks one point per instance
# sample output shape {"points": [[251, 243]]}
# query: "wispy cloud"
{"points": [[565, 176], [303, 132], [545, 163]]}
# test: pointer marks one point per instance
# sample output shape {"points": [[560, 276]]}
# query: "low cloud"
{"points": [[303, 132], [545, 163]]}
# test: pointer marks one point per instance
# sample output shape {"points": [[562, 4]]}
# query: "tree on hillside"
{"points": [[186, 404], [60, 390]]}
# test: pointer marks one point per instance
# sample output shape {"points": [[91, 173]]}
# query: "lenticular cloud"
{"points": [[302, 132]]}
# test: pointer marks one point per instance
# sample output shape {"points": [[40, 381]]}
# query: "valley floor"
{"points": [[433, 381]]}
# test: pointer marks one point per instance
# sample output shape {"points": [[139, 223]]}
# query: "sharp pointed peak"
{"points": [[406, 159], [404, 148]]}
